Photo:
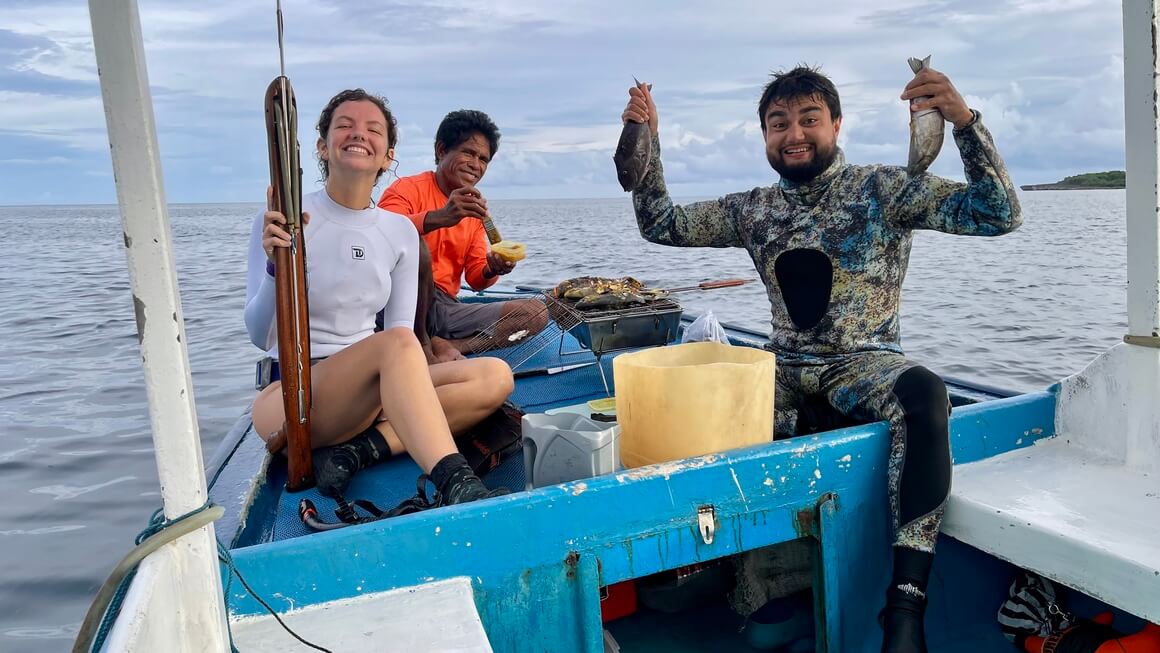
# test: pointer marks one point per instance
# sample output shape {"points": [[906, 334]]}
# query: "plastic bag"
{"points": [[705, 329]]}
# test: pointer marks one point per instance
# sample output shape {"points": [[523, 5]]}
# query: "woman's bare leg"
{"points": [[386, 372], [469, 390]]}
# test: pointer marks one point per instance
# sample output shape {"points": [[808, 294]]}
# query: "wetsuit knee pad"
{"points": [[926, 477], [923, 393]]}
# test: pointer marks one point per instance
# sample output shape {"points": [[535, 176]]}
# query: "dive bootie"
{"points": [[466, 487], [335, 466], [901, 620], [457, 483]]}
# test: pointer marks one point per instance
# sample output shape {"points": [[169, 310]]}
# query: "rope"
{"points": [[227, 559], [99, 619], [159, 532], [226, 461]]}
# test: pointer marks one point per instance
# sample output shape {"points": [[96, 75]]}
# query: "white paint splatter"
{"points": [[738, 484], [579, 488], [286, 599], [817, 473], [666, 470], [769, 482], [845, 459]]}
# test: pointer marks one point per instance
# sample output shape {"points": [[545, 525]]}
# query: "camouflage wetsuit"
{"points": [[833, 253]]}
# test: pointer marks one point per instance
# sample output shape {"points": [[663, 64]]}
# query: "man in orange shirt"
{"points": [[444, 204]]}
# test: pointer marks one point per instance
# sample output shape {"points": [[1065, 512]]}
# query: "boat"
{"points": [[1063, 482]]}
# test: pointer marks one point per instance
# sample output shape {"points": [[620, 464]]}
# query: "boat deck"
{"points": [[516, 578], [389, 483]]}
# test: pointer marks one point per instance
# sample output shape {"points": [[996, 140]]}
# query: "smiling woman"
{"points": [[358, 108], [373, 396]]}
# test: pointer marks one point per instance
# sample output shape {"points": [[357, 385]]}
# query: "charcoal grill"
{"points": [[652, 324]]}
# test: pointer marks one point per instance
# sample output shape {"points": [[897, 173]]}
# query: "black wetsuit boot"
{"points": [[336, 465], [901, 619], [457, 483]]}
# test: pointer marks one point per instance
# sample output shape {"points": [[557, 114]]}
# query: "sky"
{"points": [[1047, 76]]}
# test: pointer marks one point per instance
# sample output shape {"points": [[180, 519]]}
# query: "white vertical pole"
{"points": [[1141, 128], [137, 169]]}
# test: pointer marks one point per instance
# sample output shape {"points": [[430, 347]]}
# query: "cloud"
{"points": [[72, 122], [50, 160], [554, 77]]}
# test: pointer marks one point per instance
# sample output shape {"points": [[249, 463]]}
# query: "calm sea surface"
{"points": [[76, 462]]}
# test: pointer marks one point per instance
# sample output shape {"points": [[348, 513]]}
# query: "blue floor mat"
{"points": [[385, 485], [539, 393], [390, 483], [548, 348]]}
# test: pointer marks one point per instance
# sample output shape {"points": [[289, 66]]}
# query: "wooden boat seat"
{"points": [[1069, 513]]}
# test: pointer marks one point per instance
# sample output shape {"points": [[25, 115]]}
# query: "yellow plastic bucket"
{"points": [[692, 399]]}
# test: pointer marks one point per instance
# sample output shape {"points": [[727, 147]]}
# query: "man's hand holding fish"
{"points": [[932, 89]]}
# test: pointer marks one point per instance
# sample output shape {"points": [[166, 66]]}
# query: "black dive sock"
{"points": [[446, 468], [457, 483], [902, 618], [335, 466], [373, 443], [911, 571]]}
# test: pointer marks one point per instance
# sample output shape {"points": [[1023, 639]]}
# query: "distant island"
{"points": [[1089, 181]]}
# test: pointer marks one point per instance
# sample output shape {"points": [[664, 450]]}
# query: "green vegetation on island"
{"points": [[1087, 181]]}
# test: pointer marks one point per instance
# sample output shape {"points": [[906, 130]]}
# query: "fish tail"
{"points": [[917, 64]]}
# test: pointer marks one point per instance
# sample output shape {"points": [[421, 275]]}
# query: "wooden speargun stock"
{"points": [[292, 314]]}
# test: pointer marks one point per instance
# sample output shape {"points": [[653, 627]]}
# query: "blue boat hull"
{"points": [[538, 559]]}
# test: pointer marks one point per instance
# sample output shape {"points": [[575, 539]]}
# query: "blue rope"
{"points": [[157, 523], [113, 610]]}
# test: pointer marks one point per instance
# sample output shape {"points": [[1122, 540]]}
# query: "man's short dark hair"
{"points": [[799, 83], [458, 126]]}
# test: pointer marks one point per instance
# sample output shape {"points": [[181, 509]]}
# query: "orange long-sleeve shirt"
{"points": [[457, 252]]}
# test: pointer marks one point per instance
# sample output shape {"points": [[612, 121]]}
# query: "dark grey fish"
{"points": [[633, 152], [926, 130], [611, 300]]}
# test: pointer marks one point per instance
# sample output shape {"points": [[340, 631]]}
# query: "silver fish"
{"points": [[633, 152], [926, 129]]}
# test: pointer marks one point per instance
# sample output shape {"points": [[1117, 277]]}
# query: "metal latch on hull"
{"points": [[707, 523]]}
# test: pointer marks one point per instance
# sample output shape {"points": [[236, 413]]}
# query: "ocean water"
{"points": [[76, 461]]}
